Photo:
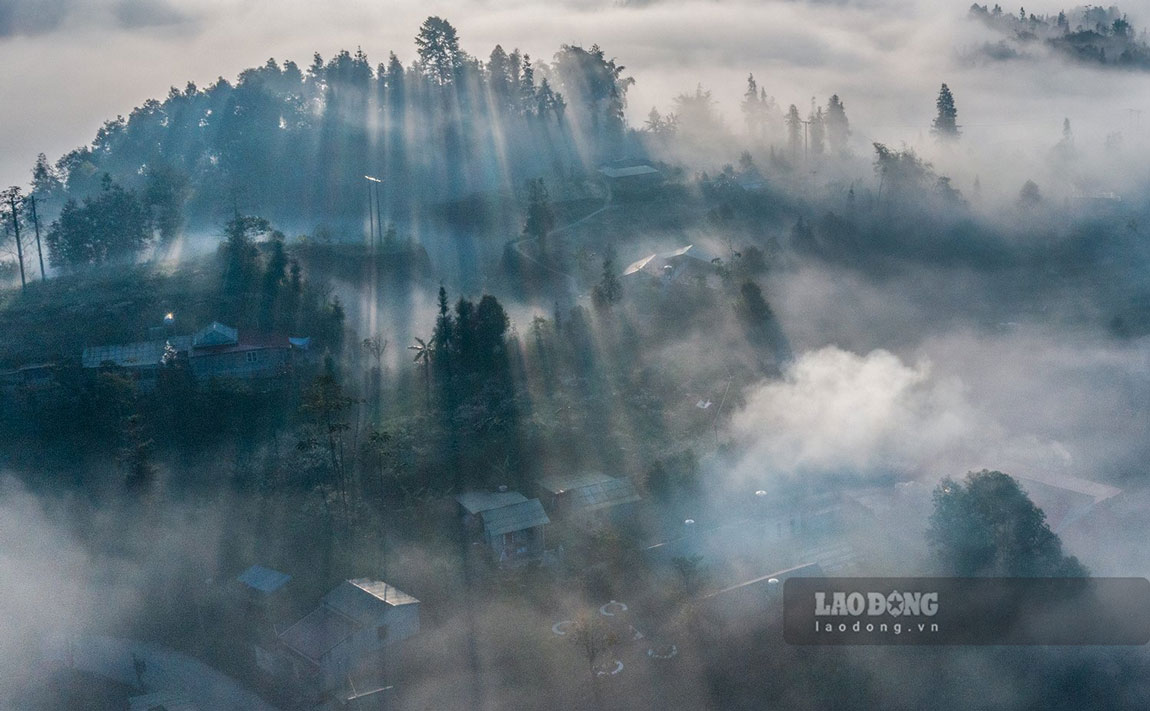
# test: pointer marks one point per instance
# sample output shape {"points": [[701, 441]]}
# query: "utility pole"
{"points": [[378, 215], [12, 194], [370, 216], [377, 218], [36, 224]]}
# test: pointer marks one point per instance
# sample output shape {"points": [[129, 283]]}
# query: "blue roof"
{"points": [[263, 579]]}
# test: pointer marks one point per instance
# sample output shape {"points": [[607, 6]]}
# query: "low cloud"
{"points": [[838, 412], [37, 17]]}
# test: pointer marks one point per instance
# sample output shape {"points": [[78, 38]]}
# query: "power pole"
{"points": [[16, 228], [370, 215], [378, 215], [36, 224], [372, 180]]}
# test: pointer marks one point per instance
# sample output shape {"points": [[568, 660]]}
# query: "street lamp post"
{"points": [[377, 219]]}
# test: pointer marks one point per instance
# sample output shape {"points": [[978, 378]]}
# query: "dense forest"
{"points": [[292, 143], [1093, 34]]}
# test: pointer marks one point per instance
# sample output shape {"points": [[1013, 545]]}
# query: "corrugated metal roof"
{"points": [[516, 517], [365, 600], [215, 334], [559, 483], [133, 355], [678, 252], [631, 172], [637, 266], [591, 491], [479, 501], [263, 579], [352, 605], [318, 633]]}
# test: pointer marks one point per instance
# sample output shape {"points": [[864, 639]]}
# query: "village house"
{"points": [[1068, 501], [350, 633], [684, 265], [260, 593], [507, 522], [215, 351], [586, 494], [630, 180]]}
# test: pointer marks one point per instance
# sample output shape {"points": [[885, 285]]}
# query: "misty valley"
{"points": [[461, 377]]}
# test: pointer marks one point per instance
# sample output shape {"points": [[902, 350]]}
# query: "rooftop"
{"points": [[590, 491], [516, 517], [1065, 499], [633, 171], [318, 633], [361, 599], [141, 353], [479, 501], [263, 579], [215, 334], [350, 606]]}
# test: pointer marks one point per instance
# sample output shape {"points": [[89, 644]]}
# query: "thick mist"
{"points": [[885, 60], [842, 334]]}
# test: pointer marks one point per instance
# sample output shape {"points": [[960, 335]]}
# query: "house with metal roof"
{"points": [[507, 522], [621, 181], [685, 264], [215, 351], [137, 355], [350, 631], [585, 493], [1066, 499]]}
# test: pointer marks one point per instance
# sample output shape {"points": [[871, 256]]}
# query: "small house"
{"points": [[218, 351], [507, 522], [629, 180], [215, 351], [586, 494], [261, 594], [686, 264], [349, 632], [1067, 500]]}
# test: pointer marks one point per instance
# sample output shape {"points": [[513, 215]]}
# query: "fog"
{"points": [[885, 59], [841, 331]]}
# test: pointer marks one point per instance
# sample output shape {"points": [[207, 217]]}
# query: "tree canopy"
{"points": [[986, 525]]}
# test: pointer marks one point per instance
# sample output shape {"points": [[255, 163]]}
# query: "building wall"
{"points": [[259, 363], [367, 645]]}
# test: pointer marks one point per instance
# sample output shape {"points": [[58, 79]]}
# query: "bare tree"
{"points": [[594, 636]]}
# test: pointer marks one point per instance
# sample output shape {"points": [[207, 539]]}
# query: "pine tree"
{"points": [[438, 46], [837, 127], [752, 108], [945, 123], [817, 131], [609, 290], [540, 214], [794, 130]]}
